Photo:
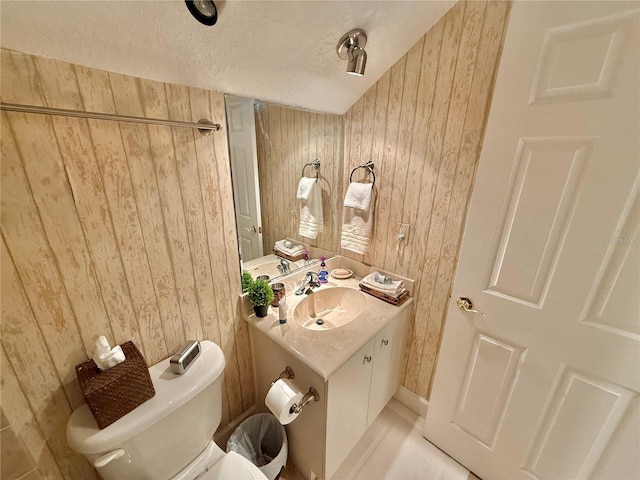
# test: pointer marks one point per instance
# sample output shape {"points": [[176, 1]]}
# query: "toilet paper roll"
{"points": [[281, 397]]}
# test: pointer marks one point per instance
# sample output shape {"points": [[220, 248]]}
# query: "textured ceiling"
{"points": [[277, 51]]}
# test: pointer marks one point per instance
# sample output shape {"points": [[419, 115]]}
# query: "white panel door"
{"points": [[244, 173], [546, 385]]}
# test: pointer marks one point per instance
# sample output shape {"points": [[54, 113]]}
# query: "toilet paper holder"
{"points": [[309, 397], [286, 373]]}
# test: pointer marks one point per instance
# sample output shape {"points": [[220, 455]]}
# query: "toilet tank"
{"points": [[164, 434]]}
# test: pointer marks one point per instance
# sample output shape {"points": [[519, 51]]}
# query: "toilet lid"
{"points": [[233, 466]]}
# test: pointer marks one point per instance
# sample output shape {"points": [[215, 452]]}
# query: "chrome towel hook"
{"points": [[369, 166], [315, 164]]}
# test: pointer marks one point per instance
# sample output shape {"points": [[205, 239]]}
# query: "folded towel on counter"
{"points": [[392, 299], [311, 222], [305, 186], [280, 245], [358, 196], [374, 281], [357, 224]]}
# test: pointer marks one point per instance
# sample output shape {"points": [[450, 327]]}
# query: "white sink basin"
{"points": [[330, 308], [267, 268]]}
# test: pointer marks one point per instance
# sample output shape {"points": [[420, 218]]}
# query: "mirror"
{"points": [[269, 146]]}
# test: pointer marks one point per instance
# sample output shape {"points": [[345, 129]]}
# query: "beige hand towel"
{"points": [[357, 223], [311, 222], [394, 288], [296, 248], [304, 187], [358, 196]]}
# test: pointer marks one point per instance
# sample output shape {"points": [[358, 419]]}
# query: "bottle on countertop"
{"points": [[282, 310], [323, 273]]}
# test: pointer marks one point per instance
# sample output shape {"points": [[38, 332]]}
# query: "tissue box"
{"points": [[113, 393]]}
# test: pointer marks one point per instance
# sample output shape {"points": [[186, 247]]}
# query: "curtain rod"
{"points": [[204, 126]]}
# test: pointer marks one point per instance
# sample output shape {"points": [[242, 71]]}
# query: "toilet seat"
{"points": [[233, 466], [215, 464]]}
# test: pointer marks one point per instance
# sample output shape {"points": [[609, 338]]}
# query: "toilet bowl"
{"points": [[169, 437]]}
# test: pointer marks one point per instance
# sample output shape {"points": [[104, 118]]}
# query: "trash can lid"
{"points": [[231, 466]]}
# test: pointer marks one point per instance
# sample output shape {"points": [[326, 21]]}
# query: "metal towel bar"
{"points": [[205, 127]]}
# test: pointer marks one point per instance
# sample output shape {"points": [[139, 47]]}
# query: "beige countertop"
{"points": [[327, 350]]}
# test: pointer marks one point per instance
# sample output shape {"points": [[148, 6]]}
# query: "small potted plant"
{"points": [[247, 280], [260, 296]]}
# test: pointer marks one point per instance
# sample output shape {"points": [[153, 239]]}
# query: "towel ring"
{"points": [[369, 166], [315, 164]]}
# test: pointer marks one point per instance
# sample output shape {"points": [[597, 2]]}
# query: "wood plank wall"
{"points": [[422, 124], [110, 228], [287, 138]]}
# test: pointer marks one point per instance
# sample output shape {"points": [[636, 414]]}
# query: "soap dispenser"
{"points": [[322, 274]]}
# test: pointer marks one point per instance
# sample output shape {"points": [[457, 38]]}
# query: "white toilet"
{"points": [[168, 436]]}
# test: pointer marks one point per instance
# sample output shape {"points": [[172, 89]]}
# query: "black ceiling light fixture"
{"points": [[204, 11]]}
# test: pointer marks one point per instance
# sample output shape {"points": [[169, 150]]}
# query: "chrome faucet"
{"points": [[311, 302], [310, 282], [284, 268]]}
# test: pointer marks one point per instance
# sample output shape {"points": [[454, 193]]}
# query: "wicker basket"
{"points": [[387, 298], [113, 393], [291, 258]]}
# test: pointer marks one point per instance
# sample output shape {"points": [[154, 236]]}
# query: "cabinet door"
{"points": [[347, 403], [387, 356]]}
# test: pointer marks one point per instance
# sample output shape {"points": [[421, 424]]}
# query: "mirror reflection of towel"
{"points": [[311, 222], [281, 245]]}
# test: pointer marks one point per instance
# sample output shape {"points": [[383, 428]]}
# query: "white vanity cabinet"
{"points": [[387, 359], [359, 390], [354, 385], [347, 406]]}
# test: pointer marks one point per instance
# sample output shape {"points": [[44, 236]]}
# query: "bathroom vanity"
{"points": [[354, 367]]}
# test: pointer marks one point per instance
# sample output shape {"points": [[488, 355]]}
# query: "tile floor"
{"points": [[393, 449]]}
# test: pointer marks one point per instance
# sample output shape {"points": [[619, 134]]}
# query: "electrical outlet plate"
{"points": [[403, 228]]}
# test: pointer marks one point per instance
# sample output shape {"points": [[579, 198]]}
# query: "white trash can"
{"points": [[262, 439]]}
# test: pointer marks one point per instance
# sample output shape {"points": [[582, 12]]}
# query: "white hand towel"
{"points": [[394, 288], [357, 226], [311, 222], [305, 186], [359, 196], [280, 245]]}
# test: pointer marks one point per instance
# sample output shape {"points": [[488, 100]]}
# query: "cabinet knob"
{"points": [[367, 358], [385, 342]]}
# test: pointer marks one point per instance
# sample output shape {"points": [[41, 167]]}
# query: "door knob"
{"points": [[466, 304], [253, 229]]}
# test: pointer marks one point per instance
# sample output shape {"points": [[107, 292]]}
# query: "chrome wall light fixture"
{"points": [[204, 11], [351, 48]]}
